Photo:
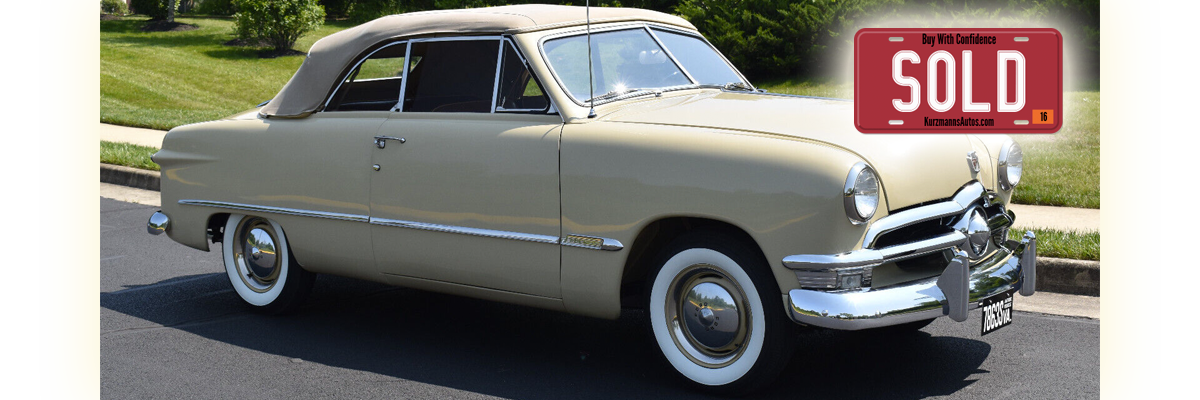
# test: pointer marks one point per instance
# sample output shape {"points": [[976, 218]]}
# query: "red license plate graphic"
{"points": [[958, 80]]}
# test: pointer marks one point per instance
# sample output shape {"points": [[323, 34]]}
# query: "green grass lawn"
{"points": [[1064, 244], [129, 155], [161, 80], [1062, 169]]}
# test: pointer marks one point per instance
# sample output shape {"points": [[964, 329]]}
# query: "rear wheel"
{"points": [[260, 265], [715, 314]]}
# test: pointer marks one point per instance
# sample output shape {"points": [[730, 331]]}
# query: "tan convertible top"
{"points": [[308, 88]]}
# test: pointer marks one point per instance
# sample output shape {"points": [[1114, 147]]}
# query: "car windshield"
{"points": [[630, 62]]}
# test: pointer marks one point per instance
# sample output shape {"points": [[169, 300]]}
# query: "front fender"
{"points": [[617, 178]]}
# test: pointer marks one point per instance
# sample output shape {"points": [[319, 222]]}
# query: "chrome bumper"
{"points": [[1010, 267], [158, 223]]}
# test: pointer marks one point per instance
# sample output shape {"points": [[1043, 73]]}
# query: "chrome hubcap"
{"points": [[256, 253], [706, 304], [707, 315]]}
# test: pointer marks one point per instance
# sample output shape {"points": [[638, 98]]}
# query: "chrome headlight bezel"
{"points": [[1010, 154], [861, 181]]}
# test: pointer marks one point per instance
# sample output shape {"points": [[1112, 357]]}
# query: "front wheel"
{"points": [[715, 314], [260, 265]]}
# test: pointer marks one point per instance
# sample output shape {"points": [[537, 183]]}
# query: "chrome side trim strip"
{"points": [[462, 230], [277, 210], [963, 199], [592, 242], [587, 242], [582, 241]]}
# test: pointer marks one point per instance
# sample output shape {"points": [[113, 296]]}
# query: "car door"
{"points": [[320, 166], [466, 189]]}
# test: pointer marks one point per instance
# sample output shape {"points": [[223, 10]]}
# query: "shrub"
{"points": [[215, 7], [277, 22], [337, 8], [116, 7], [155, 9]]}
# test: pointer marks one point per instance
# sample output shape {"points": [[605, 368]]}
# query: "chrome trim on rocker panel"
{"points": [[277, 210], [462, 230], [582, 241]]}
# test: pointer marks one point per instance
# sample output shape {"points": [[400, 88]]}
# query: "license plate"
{"points": [[958, 80], [997, 312]]}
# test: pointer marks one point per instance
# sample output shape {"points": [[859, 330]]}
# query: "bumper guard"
{"points": [[960, 288]]}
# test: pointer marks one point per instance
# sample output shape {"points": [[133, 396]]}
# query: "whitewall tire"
{"points": [[715, 314], [260, 266]]}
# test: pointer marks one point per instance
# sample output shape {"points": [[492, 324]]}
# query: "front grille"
{"points": [[918, 231], [933, 264]]}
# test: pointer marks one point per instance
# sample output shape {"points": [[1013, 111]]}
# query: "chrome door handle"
{"points": [[381, 141]]}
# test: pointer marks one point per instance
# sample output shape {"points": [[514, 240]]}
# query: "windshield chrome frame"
{"points": [[646, 26], [654, 26]]}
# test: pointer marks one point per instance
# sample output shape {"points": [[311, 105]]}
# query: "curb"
{"points": [[1067, 276], [1058, 275], [132, 177]]}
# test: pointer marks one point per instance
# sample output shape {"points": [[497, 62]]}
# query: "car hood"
{"points": [[912, 168]]}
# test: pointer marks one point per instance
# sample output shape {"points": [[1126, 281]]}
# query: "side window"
{"points": [[452, 76], [519, 91], [374, 85]]}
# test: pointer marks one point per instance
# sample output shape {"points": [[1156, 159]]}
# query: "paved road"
{"points": [[171, 327]]}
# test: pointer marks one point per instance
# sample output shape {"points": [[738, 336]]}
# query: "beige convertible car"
{"points": [[507, 154]]}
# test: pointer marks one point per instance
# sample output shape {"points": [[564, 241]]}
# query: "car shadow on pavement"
{"points": [[520, 352]]}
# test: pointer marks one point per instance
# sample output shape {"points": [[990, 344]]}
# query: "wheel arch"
{"points": [[215, 226], [653, 237]]}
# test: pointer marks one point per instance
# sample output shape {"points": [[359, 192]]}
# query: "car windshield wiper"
{"points": [[730, 86], [738, 86], [636, 92], [620, 93]]}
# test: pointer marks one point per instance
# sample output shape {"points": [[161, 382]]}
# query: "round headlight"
{"points": [[1011, 165], [861, 194]]}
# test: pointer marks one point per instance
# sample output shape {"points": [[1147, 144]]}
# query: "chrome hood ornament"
{"points": [[973, 162]]}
